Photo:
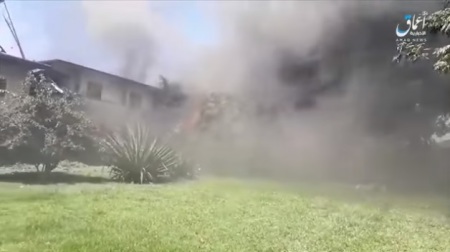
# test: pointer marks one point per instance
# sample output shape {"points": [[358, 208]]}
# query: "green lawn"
{"points": [[207, 215]]}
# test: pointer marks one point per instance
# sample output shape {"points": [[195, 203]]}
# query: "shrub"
{"points": [[41, 125], [135, 156], [184, 169]]}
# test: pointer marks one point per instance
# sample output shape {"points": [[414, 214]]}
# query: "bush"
{"points": [[184, 169], [135, 156], [40, 125]]}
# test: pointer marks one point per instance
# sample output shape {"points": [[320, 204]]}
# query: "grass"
{"points": [[208, 215]]}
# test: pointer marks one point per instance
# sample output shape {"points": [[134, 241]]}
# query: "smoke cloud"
{"points": [[322, 67], [135, 34], [337, 55]]}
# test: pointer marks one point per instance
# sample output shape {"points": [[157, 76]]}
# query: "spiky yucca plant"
{"points": [[135, 156]]}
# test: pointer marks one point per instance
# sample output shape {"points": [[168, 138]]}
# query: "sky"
{"points": [[42, 29]]}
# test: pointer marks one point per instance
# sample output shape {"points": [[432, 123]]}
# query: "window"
{"points": [[76, 81], [2, 87], [76, 87], [135, 100], [94, 91]]}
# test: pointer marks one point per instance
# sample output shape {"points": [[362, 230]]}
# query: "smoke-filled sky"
{"points": [[248, 48], [222, 44], [72, 30]]}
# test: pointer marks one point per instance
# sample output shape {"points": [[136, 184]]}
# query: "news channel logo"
{"points": [[413, 28]]}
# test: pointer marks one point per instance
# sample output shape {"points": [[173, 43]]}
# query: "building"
{"points": [[14, 71], [111, 100]]}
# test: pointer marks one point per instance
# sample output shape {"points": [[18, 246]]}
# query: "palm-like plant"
{"points": [[135, 156]]}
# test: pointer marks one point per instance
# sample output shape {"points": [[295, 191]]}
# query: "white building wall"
{"points": [[15, 75], [111, 110]]}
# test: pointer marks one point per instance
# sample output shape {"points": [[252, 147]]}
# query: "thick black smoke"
{"points": [[344, 110]]}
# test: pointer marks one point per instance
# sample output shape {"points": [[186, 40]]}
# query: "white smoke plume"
{"points": [[135, 33]]}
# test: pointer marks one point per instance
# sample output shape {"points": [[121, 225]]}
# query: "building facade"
{"points": [[111, 100], [14, 70]]}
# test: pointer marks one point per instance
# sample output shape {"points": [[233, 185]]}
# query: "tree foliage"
{"points": [[437, 22], [45, 127]]}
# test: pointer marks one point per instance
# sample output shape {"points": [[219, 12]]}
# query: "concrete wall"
{"points": [[74, 74], [113, 110], [113, 88], [15, 70], [15, 74]]}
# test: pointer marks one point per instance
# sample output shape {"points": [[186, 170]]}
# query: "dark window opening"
{"points": [[77, 81], [94, 91], [76, 87], [135, 100], [2, 87]]}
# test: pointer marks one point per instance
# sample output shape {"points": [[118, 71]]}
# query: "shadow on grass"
{"points": [[35, 178]]}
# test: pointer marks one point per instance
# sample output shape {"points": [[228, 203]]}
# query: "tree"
{"points": [[41, 125], [437, 22]]}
